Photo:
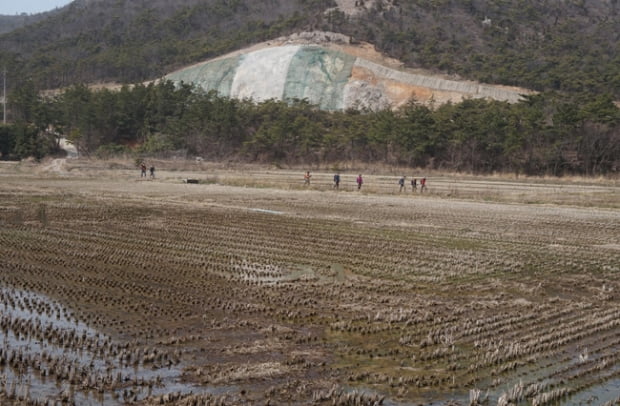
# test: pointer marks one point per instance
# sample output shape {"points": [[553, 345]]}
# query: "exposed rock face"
{"points": [[329, 72]]}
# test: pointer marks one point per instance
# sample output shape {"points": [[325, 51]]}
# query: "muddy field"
{"points": [[251, 288]]}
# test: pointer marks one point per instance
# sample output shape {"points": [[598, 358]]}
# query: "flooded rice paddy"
{"points": [[47, 354], [119, 291]]}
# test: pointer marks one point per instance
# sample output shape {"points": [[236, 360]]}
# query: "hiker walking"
{"points": [[143, 170], [337, 181], [401, 183], [359, 181], [414, 184], [152, 171], [422, 185], [307, 177]]}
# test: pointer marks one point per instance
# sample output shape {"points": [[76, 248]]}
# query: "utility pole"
{"points": [[4, 98]]}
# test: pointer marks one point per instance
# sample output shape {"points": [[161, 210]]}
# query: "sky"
{"points": [[12, 7]]}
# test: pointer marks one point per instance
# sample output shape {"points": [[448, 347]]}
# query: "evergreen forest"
{"points": [[543, 134]]}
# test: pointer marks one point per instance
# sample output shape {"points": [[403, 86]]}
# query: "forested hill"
{"points": [[133, 40], [9, 23], [559, 45]]}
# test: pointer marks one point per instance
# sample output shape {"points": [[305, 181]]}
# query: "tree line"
{"points": [[544, 134]]}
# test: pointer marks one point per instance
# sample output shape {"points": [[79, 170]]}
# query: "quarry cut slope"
{"points": [[328, 71]]}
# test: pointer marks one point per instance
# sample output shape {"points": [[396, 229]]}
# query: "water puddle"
{"points": [[47, 354], [266, 211]]}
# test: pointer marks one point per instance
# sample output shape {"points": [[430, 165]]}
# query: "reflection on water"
{"points": [[47, 354]]}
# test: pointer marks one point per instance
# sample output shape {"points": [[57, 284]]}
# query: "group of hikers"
{"points": [[414, 184], [143, 170], [360, 181]]}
